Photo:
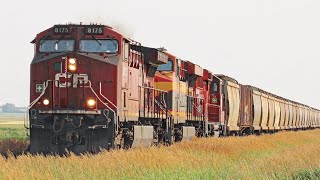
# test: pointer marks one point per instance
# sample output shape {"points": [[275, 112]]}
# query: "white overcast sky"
{"points": [[271, 44]]}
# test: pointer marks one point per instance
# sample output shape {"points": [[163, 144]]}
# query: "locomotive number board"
{"points": [[94, 30], [62, 29]]}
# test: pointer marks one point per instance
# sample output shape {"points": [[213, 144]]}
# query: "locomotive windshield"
{"points": [[56, 45], [99, 46], [166, 67]]}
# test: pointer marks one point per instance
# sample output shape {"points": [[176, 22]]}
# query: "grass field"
{"points": [[287, 155], [11, 127], [13, 136]]}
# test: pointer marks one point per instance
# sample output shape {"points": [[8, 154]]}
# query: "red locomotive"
{"points": [[92, 88]]}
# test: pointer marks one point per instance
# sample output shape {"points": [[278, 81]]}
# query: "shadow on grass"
{"points": [[306, 174], [13, 147]]}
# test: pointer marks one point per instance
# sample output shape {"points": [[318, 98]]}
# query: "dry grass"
{"points": [[281, 156], [11, 119]]}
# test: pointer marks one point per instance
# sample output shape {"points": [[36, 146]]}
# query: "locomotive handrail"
{"points": [[107, 98], [69, 112], [26, 118], [160, 102], [214, 105], [153, 89], [169, 117], [45, 85], [163, 108], [191, 100], [199, 110], [114, 113], [195, 97]]}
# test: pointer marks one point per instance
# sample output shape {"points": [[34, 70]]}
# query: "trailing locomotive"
{"points": [[92, 88]]}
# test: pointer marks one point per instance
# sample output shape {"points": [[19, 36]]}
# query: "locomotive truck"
{"points": [[92, 88]]}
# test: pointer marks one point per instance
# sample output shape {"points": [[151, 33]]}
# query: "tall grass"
{"points": [[13, 137], [284, 155]]}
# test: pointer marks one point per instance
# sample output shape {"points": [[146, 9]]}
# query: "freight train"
{"points": [[92, 88]]}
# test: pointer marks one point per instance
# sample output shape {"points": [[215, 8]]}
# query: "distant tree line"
{"points": [[10, 108]]}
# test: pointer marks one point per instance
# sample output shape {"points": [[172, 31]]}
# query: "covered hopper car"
{"points": [[92, 88]]}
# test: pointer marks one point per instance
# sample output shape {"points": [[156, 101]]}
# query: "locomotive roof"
{"points": [[83, 25], [87, 25], [222, 76]]}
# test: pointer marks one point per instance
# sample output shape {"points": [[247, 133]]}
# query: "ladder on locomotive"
{"points": [[153, 105], [195, 108], [169, 120]]}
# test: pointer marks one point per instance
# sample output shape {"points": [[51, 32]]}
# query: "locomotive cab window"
{"points": [[57, 67], [56, 45], [166, 67], [214, 87], [99, 46]]}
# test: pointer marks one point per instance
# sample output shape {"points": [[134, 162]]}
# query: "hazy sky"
{"points": [[271, 44]]}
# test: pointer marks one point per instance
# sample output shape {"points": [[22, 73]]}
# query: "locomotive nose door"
{"points": [[215, 107], [214, 102]]}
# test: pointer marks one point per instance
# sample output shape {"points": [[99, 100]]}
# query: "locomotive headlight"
{"points": [[46, 102], [72, 67], [72, 64], [72, 60], [91, 102]]}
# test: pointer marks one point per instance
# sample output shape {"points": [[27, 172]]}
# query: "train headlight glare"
{"points": [[91, 102], [72, 64], [46, 102], [72, 67], [72, 61]]}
